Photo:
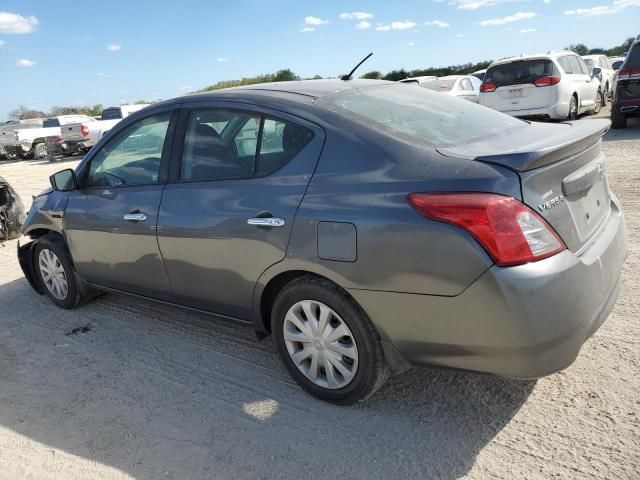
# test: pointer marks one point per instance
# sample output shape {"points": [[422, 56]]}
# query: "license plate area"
{"points": [[514, 93]]}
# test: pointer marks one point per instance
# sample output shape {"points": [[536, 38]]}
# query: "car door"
{"points": [[589, 83], [110, 221], [237, 178], [466, 90]]}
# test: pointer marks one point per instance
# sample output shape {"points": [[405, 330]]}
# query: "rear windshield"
{"points": [[51, 122], [111, 114], [633, 57], [439, 85], [419, 114], [519, 72]]}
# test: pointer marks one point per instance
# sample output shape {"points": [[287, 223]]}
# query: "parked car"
{"points": [[367, 226], [556, 85], [418, 80], [616, 62], [480, 74], [7, 135], [79, 138], [605, 75], [463, 86], [11, 212], [31, 142], [626, 91]]}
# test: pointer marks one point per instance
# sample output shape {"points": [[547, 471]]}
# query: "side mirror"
{"points": [[64, 180], [596, 72]]}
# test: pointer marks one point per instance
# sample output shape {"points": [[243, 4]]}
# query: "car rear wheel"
{"points": [[327, 342], [573, 108], [618, 120], [598, 103], [40, 151], [57, 275]]}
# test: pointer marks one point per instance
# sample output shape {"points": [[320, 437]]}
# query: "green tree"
{"points": [[374, 75], [24, 113], [579, 48]]}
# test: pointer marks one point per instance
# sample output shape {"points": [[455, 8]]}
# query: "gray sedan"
{"points": [[367, 226]]}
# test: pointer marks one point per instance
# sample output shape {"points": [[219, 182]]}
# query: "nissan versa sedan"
{"points": [[368, 226]]}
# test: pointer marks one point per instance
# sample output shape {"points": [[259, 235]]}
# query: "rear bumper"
{"points": [[627, 107], [558, 111], [522, 322]]}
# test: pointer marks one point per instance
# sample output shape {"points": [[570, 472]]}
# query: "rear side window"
{"points": [[519, 72], [417, 114], [223, 144], [566, 65]]}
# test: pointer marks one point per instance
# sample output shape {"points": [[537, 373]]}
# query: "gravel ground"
{"points": [[148, 392]]}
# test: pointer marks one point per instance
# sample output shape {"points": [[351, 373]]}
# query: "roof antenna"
{"points": [[350, 75]]}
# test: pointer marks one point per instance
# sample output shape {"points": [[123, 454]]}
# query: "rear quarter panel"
{"points": [[363, 178]]}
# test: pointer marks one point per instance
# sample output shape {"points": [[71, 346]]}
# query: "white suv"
{"points": [[555, 85]]}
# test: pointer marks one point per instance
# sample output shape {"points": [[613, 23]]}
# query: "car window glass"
{"points": [[50, 122], [566, 65], [281, 141], [133, 156], [219, 144], [633, 58], [586, 70], [419, 115], [519, 72], [575, 64], [466, 85]]}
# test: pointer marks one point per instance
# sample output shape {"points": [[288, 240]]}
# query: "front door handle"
{"points": [[135, 217], [266, 221]]}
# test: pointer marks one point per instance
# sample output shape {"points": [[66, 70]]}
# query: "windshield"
{"points": [[419, 114], [439, 85], [519, 72]]}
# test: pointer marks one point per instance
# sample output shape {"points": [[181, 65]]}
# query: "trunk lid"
{"points": [[562, 174]]}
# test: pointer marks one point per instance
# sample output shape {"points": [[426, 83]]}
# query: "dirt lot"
{"points": [[151, 392]]}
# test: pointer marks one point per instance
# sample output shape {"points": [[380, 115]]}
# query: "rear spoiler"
{"points": [[531, 149]]}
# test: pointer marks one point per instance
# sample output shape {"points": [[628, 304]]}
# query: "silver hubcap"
{"points": [[53, 274], [320, 344]]}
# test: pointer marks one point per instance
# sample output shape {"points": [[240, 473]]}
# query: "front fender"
{"points": [[26, 259]]}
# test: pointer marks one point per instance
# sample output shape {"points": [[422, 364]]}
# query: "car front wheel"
{"points": [[57, 275], [327, 342]]}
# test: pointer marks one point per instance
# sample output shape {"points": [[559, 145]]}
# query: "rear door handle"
{"points": [[135, 217], [266, 221]]}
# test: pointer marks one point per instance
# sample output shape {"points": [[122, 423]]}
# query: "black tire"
{"points": [[76, 296], [573, 108], [372, 371], [618, 120]]}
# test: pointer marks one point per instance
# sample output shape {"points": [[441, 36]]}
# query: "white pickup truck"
{"points": [[7, 134], [30, 142], [80, 137]]}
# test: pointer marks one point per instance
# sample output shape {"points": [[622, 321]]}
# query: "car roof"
{"points": [[306, 88], [553, 54]]}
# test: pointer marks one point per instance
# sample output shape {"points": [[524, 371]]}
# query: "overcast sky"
{"points": [[70, 52]]}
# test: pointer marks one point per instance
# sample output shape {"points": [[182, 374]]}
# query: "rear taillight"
{"points": [[84, 130], [488, 87], [546, 81], [508, 230], [628, 72]]}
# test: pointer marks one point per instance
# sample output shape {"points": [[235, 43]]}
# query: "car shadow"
{"points": [[155, 391], [632, 132]]}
